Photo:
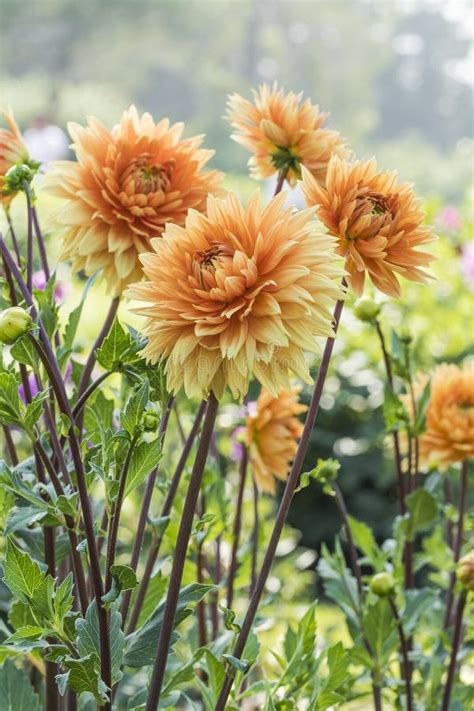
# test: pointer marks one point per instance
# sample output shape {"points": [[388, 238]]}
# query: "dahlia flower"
{"points": [[236, 293], [272, 432], [126, 184], [12, 151], [283, 133], [377, 221], [449, 433]]}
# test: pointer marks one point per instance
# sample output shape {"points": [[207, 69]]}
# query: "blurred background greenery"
{"points": [[397, 79]]}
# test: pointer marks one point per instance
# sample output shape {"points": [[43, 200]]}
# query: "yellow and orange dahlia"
{"points": [[449, 433], [126, 184], [377, 221], [12, 151], [236, 293], [271, 434], [284, 133]]}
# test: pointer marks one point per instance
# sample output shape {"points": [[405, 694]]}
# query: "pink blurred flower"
{"points": [[39, 282], [467, 264], [449, 218]]}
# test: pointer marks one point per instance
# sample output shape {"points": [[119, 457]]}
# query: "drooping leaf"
{"points": [[123, 578], [88, 639]]}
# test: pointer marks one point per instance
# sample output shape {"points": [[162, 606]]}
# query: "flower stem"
{"points": [[81, 401], [341, 505], [457, 541], [237, 527], [454, 650], [165, 511], [280, 182], [29, 243], [90, 362], [287, 497], [41, 247], [13, 234], [142, 521], [115, 516], [404, 648], [396, 439], [179, 557], [255, 537], [10, 445]]}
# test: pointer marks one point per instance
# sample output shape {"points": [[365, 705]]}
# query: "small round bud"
{"points": [[382, 584], [366, 310], [14, 322], [465, 571], [405, 336], [150, 422]]}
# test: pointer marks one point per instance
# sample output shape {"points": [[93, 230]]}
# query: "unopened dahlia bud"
{"points": [[17, 175], [465, 571], [382, 584], [366, 310], [14, 322], [151, 418]]}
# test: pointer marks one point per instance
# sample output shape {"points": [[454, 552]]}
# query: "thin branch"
{"points": [[237, 527], [405, 649], [90, 362], [454, 650], [179, 556], [165, 511], [457, 541]]}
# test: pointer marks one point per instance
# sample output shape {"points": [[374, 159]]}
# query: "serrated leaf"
{"points": [[240, 665], [21, 573], [23, 352], [82, 676], [132, 416], [42, 599], [115, 348], [364, 539], [145, 458], [63, 598], [421, 407], [11, 407], [394, 411], [16, 692], [88, 640], [74, 317], [34, 410]]}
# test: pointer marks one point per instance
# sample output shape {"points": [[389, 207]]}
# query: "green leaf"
{"points": [[42, 599], [88, 640], [421, 407], [21, 573], [16, 692], [115, 349], [229, 619], [23, 352], [145, 458], [155, 591], [25, 633], [394, 411], [240, 665], [141, 645], [423, 510], [74, 317], [132, 416], [123, 578], [11, 407], [34, 410], [365, 540], [63, 598], [83, 676], [380, 629]]}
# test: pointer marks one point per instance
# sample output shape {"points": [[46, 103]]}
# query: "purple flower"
{"points": [[237, 446], [467, 264], [39, 282], [449, 218]]}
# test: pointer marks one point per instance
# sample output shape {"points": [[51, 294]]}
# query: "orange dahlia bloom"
{"points": [[271, 433], [12, 151], [283, 133], [378, 223], [126, 184], [449, 433], [236, 293]]}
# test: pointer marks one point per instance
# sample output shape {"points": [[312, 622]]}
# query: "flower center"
{"points": [[148, 177], [207, 258], [379, 204]]}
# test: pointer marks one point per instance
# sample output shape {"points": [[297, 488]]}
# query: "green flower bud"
{"points": [[405, 336], [366, 310], [15, 177], [465, 571], [14, 322], [382, 584], [150, 422]]}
